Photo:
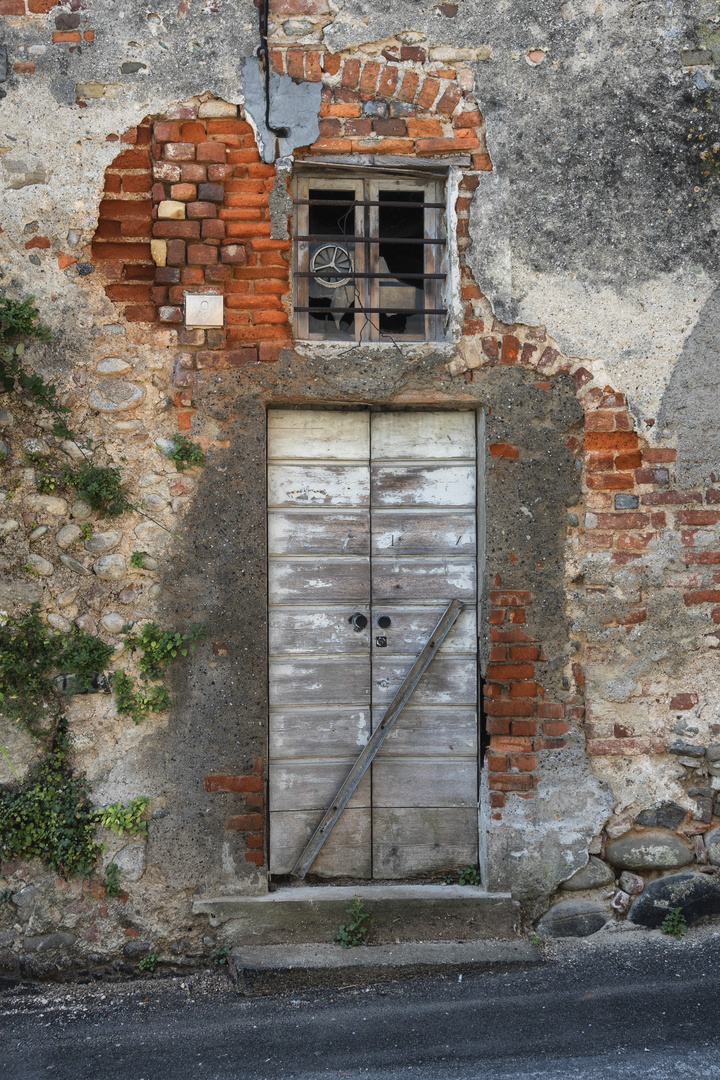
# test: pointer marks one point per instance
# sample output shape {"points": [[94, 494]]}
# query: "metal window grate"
{"points": [[369, 257]]}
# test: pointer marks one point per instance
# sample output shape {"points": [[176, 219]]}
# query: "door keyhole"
{"points": [[359, 621]]}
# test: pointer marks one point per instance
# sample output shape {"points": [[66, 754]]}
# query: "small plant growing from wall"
{"points": [[354, 932], [185, 453], [469, 876], [112, 881], [674, 923], [124, 819], [149, 962], [157, 648]]}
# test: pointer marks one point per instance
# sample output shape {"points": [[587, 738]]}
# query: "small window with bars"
{"points": [[370, 257]]}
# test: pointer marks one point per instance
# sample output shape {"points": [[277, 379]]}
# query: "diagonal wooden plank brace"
{"points": [[377, 738]]}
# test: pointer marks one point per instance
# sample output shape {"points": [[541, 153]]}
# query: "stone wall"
{"points": [[586, 215]]}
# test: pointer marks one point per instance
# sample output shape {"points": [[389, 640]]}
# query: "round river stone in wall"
{"points": [[102, 541], [592, 876], [40, 565], [572, 918], [695, 894], [648, 851], [712, 843], [8, 525], [58, 622], [111, 567], [48, 504], [113, 622], [81, 511], [112, 367], [115, 395], [67, 536]]}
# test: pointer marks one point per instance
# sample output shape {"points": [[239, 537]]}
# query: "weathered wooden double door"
{"points": [[372, 531]]}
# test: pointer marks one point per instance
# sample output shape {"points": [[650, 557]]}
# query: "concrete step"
{"points": [[405, 913], [259, 969]]}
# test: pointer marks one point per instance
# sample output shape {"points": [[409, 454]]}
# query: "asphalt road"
{"points": [[647, 1009]]}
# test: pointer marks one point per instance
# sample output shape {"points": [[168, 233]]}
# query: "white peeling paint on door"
{"points": [[372, 514], [320, 685]]}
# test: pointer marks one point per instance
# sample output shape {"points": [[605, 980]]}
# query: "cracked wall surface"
{"points": [[583, 137]]}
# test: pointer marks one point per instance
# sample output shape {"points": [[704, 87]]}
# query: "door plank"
{"points": [[428, 433], [346, 853], [403, 532], [424, 782], [423, 485], [409, 628], [318, 485], [332, 681], [312, 784], [298, 733], [423, 579], [415, 841], [432, 731], [323, 630], [446, 682], [314, 580], [318, 434], [306, 532]]}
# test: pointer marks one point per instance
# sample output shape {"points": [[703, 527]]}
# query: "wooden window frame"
{"points": [[367, 183]]}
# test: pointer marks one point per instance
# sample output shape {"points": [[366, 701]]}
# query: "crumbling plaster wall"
{"points": [[588, 111]]}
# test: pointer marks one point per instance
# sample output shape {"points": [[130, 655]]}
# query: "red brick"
{"points": [[388, 81], [467, 119], [508, 672], [233, 783], [701, 557], [255, 857], [414, 53], [699, 517], [515, 634], [126, 293], [141, 313], [523, 727], [702, 596], [409, 87], [556, 727], [188, 230], [60, 36], [611, 482], [482, 162], [611, 440], [630, 460], [119, 209], [232, 358], [599, 462], [38, 242], [504, 450], [183, 192], [133, 183], [132, 159], [517, 615], [369, 77], [510, 597], [428, 93], [425, 147], [510, 350], [389, 127], [497, 801], [670, 498], [192, 173], [496, 764], [351, 74], [510, 782], [623, 521], [193, 132], [14, 7], [505, 707], [498, 725], [196, 210], [180, 151], [167, 131], [122, 252], [313, 71], [211, 152], [548, 744], [659, 456], [449, 100], [647, 476], [294, 64], [331, 63], [524, 763], [25, 67], [682, 702]]}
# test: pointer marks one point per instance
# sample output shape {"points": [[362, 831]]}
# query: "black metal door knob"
{"points": [[359, 621]]}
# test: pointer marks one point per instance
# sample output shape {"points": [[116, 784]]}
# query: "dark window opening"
{"points": [[369, 258]]}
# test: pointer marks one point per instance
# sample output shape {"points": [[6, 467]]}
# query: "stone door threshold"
{"points": [[397, 913]]}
